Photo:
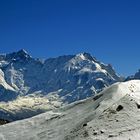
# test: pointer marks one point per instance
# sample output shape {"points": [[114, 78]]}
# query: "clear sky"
{"points": [[108, 29]]}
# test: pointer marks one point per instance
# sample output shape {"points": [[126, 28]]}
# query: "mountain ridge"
{"points": [[61, 80]]}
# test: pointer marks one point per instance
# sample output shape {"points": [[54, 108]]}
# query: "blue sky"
{"points": [[108, 29]]}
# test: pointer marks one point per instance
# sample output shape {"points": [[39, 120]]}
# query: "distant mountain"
{"points": [[114, 114], [30, 86], [135, 76]]}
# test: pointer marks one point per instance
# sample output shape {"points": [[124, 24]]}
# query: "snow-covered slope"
{"points": [[7, 92], [49, 83], [111, 115]]}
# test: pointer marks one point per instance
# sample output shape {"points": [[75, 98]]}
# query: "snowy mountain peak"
{"points": [[135, 76], [89, 56], [21, 54], [86, 56]]}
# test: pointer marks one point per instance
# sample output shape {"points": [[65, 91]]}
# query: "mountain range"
{"points": [[30, 86], [70, 97]]}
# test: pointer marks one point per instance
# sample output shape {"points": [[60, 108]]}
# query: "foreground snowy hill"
{"points": [[112, 115], [31, 86]]}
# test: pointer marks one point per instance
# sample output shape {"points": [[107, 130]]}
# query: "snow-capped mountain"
{"points": [[31, 86], [135, 76], [113, 114]]}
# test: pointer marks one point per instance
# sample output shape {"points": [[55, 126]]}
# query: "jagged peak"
{"points": [[19, 54], [138, 71], [86, 56], [22, 51], [137, 74]]}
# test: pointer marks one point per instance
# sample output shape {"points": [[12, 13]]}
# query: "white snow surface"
{"points": [[3, 82], [114, 114]]}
